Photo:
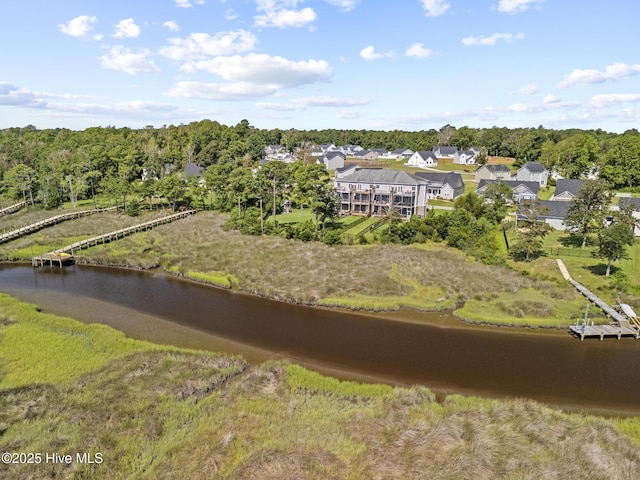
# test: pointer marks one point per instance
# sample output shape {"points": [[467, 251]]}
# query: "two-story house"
{"points": [[533, 172]]}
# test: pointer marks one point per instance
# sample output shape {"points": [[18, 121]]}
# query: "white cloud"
{"points": [[492, 40], [201, 45], [127, 28], [515, 6], [15, 96], [345, 5], [369, 53], [348, 115], [605, 100], [187, 3], [262, 69], [220, 91], [171, 25], [230, 14], [550, 99], [419, 51], [304, 103], [125, 60], [435, 8], [615, 71], [79, 27], [529, 89], [283, 14]]}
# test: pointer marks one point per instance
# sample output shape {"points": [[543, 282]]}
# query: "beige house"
{"points": [[378, 191], [493, 172]]}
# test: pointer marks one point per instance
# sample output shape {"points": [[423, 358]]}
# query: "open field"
{"points": [[160, 412]]}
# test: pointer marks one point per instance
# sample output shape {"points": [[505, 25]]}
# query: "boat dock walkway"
{"points": [[34, 227], [12, 208], [65, 254], [623, 326]]}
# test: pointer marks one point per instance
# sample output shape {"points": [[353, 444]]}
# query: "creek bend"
{"points": [[600, 377]]}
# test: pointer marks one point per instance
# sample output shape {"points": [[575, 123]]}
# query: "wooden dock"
{"points": [[34, 227], [622, 326], [601, 331], [12, 208], [65, 254]]}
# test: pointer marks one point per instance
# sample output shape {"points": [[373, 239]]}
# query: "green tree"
{"points": [[613, 242], [587, 211], [22, 180], [530, 235]]}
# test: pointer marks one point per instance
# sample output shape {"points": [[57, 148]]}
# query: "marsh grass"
{"points": [[374, 277], [162, 412]]}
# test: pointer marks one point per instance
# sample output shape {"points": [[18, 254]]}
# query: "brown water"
{"points": [[427, 349]]}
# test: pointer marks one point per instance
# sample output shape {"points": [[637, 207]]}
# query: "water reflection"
{"points": [[428, 349]]}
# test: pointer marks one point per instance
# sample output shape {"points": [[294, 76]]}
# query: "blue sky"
{"points": [[362, 64]]}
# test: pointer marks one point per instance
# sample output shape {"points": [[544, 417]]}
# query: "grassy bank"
{"points": [[372, 277], [159, 412]]}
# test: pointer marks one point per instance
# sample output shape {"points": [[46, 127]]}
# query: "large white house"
{"points": [[422, 159]]}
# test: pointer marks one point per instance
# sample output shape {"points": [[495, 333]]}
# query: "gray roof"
{"points": [[331, 155], [453, 179], [549, 209], [426, 154], [634, 202], [379, 150], [398, 151], [192, 168], [347, 167], [568, 185], [496, 168], [383, 175], [534, 187], [534, 167], [445, 150]]}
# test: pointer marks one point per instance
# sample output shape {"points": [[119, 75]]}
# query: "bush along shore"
{"points": [[424, 277], [145, 411]]}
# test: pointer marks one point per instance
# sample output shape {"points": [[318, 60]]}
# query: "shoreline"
{"points": [[390, 314]]}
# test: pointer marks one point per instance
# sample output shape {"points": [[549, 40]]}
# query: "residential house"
{"points": [[493, 172], [366, 155], [551, 212], [446, 152], [321, 149], [468, 157], [567, 189], [422, 159], [445, 185], [273, 150], [533, 172], [379, 191], [192, 169], [634, 203], [380, 151], [332, 160], [349, 150], [398, 154], [521, 190]]}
